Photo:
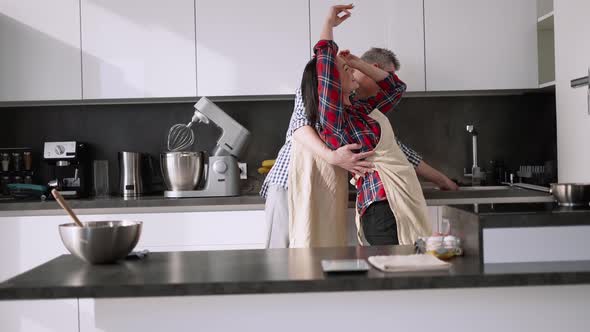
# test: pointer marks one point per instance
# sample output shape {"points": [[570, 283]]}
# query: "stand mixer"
{"points": [[221, 172]]}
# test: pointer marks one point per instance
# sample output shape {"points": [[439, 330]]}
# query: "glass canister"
{"points": [[4, 181], [28, 160], [17, 161], [4, 161]]}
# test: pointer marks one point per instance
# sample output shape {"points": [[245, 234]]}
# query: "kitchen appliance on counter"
{"points": [[220, 171], [16, 167], [137, 174], [571, 194], [69, 167]]}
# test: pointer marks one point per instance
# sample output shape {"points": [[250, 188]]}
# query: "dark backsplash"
{"points": [[518, 129]]}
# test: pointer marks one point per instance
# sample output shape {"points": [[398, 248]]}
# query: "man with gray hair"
{"points": [[380, 218]]}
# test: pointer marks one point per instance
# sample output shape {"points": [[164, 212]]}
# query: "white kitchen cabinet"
{"points": [[393, 24], [572, 60], [40, 50], [490, 309], [535, 244], [480, 44], [197, 230], [138, 49], [39, 316], [257, 47], [26, 242]]}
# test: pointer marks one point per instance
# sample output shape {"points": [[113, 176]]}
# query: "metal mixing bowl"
{"points": [[182, 170], [101, 242], [571, 194]]}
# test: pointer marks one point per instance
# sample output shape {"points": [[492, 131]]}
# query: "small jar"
{"points": [[28, 160], [17, 161], [4, 161], [4, 181]]}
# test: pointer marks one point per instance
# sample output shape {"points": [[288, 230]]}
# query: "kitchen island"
{"points": [[29, 237], [285, 289], [533, 232]]}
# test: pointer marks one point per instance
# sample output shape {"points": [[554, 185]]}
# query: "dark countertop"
{"points": [[504, 196], [267, 271], [522, 215], [146, 204], [159, 204]]}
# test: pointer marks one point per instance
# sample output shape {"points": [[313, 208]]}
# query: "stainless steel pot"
{"points": [[101, 242], [182, 170], [571, 194]]}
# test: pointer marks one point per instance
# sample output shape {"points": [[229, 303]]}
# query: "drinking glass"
{"points": [[101, 178]]}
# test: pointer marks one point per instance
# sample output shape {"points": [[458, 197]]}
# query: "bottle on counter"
{"points": [[491, 176], [28, 160], [4, 161], [4, 181], [17, 161], [500, 172]]}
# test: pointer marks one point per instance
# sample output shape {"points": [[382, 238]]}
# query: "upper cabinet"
{"points": [[546, 43], [397, 25], [39, 50], [257, 47], [114, 49], [138, 48], [480, 44]]}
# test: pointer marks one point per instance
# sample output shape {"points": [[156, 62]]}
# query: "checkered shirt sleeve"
{"points": [[279, 173]]}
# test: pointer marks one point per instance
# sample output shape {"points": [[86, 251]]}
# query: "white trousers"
{"points": [[276, 215]]}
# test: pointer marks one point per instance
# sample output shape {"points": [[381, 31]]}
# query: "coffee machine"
{"points": [[69, 167], [221, 174]]}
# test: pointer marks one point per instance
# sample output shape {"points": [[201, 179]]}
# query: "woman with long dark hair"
{"points": [[390, 205]]}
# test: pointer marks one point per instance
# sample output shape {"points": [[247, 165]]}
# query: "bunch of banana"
{"points": [[266, 166]]}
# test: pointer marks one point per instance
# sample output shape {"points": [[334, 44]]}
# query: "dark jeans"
{"points": [[379, 225]]}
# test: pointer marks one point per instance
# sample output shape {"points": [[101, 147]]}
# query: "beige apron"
{"points": [[318, 199], [403, 190]]}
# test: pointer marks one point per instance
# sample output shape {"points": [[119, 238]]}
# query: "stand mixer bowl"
{"points": [[182, 170]]}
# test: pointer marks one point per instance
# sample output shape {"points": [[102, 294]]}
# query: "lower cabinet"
{"points": [[26, 242], [39, 316], [535, 244], [480, 309]]}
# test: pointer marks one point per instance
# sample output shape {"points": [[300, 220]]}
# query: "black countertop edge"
{"points": [[337, 284], [146, 204], [149, 204], [535, 221], [527, 215]]}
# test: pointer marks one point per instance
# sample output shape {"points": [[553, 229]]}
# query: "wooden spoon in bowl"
{"points": [[62, 202]]}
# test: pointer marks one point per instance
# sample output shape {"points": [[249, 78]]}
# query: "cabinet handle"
{"points": [[583, 81]]}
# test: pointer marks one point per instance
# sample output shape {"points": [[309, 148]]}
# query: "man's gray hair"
{"points": [[382, 57]]}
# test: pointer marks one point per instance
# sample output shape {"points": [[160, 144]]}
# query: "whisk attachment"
{"points": [[180, 137]]}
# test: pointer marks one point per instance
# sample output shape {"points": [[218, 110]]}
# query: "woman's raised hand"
{"points": [[334, 18]]}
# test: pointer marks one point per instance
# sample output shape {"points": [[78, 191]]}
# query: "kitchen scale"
{"points": [[345, 265]]}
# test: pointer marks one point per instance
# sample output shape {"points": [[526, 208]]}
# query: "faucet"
{"points": [[475, 174]]}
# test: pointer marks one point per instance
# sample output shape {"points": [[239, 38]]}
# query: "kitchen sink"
{"points": [[483, 188]]}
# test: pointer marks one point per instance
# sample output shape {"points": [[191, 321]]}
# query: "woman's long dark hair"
{"points": [[309, 91]]}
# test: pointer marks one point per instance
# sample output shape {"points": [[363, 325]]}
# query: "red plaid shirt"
{"points": [[341, 125]]}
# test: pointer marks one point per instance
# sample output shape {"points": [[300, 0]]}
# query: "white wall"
{"points": [[572, 59]]}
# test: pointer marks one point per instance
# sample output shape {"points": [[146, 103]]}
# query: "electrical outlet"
{"points": [[243, 171]]}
